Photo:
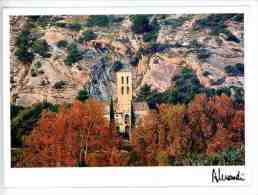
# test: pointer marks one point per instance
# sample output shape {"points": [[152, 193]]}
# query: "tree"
{"points": [[83, 95], [74, 55], [100, 20], [24, 55], [87, 36], [77, 135], [111, 117], [133, 117], [41, 47], [144, 93], [66, 137], [23, 43], [140, 24], [62, 44]]}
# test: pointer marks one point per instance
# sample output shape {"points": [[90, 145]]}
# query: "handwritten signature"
{"points": [[218, 176]]}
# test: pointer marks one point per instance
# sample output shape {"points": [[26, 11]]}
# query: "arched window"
{"points": [[122, 80], [127, 80], [127, 89], [122, 90], [126, 117]]}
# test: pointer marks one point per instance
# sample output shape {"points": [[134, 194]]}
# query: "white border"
{"points": [[150, 176]]}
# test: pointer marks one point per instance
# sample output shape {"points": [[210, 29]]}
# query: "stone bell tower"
{"points": [[124, 100]]}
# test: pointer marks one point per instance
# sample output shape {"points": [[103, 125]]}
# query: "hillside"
{"points": [[54, 57]]}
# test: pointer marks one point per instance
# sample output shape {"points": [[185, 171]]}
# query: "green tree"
{"points": [[62, 44], [41, 47], [24, 55], [83, 95], [133, 117], [140, 24], [100, 20], [87, 36], [112, 112], [144, 93], [74, 54], [23, 44]]}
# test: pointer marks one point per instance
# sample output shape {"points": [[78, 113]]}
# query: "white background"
{"points": [[157, 176]]}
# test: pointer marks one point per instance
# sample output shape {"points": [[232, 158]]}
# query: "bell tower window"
{"points": [[122, 90], [122, 80]]}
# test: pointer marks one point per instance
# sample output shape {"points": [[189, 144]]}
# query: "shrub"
{"points": [[100, 20], [23, 43], [61, 24], [59, 84], [74, 55], [235, 70], [140, 24], [175, 22], [206, 73], [150, 36], [22, 40], [15, 109], [230, 36], [74, 26], [217, 82], [62, 44], [87, 36], [144, 92], [33, 73], [24, 55], [41, 47], [83, 95]]}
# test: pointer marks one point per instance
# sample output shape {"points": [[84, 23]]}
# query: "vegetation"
{"points": [[216, 24], [186, 86], [74, 54], [23, 44], [186, 125], [141, 24], [98, 20], [87, 36], [62, 44], [209, 131], [73, 26], [192, 135], [83, 95], [235, 70], [59, 84], [23, 120], [41, 47]]}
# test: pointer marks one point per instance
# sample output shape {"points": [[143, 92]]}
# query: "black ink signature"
{"points": [[218, 176]]}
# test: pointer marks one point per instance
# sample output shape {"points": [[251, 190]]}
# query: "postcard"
{"points": [[148, 95]]}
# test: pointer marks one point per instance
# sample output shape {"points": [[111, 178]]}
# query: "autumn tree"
{"points": [[66, 138]]}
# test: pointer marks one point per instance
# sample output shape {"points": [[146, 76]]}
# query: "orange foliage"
{"points": [[68, 137], [80, 134]]}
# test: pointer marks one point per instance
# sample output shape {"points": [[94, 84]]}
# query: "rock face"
{"points": [[178, 44]]}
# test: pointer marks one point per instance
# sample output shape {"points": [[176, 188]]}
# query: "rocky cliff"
{"points": [[205, 43]]}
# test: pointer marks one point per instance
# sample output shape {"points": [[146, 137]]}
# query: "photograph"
{"points": [[135, 90]]}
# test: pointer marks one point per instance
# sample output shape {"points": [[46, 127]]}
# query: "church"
{"points": [[123, 108]]}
